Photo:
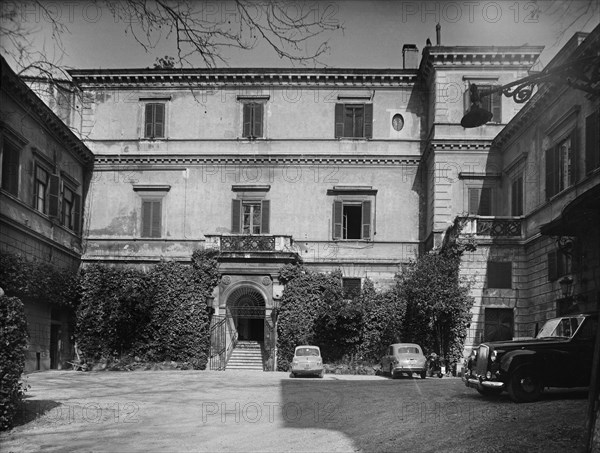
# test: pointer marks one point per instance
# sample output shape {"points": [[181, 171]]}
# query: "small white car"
{"points": [[307, 361]]}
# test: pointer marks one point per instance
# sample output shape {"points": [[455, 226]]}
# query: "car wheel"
{"points": [[524, 386], [489, 392], [423, 374]]}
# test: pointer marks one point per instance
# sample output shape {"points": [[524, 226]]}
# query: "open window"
{"points": [[250, 216], [250, 210], [353, 216]]}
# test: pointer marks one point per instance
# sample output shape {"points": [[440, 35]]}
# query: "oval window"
{"points": [[398, 122]]}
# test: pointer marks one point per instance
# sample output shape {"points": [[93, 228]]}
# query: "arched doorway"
{"points": [[246, 306]]}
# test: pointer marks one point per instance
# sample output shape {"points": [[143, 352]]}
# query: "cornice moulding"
{"points": [[149, 162]]}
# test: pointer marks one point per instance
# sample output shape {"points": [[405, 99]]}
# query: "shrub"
{"points": [[306, 297], [382, 323], [13, 338], [438, 304]]}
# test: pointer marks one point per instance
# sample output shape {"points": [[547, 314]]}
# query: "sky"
{"points": [[371, 33]]}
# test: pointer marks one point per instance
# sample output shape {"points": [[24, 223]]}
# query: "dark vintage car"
{"points": [[559, 356]]}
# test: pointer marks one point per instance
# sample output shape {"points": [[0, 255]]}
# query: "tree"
{"points": [[199, 32], [437, 304]]}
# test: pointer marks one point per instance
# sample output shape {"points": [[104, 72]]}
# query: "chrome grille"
{"points": [[482, 360]]}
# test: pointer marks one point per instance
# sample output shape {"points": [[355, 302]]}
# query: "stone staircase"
{"points": [[247, 355]]}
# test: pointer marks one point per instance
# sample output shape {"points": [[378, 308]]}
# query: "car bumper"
{"points": [[408, 369], [476, 383], [303, 370]]}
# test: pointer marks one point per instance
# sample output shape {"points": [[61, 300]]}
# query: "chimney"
{"points": [[410, 56], [438, 35]]}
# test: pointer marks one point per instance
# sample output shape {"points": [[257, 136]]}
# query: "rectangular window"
{"points": [[559, 264], [70, 208], [354, 121], [351, 287], [352, 220], [154, 120], [492, 103], [498, 324], [560, 166], [151, 218], [40, 192], [516, 194], [592, 142], [250, 216], [10, 168], [499, 274], [253, 120], [480, 201]]}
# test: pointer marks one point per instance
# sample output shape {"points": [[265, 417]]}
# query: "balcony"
{"points": [[250, 243], [491, 226]]}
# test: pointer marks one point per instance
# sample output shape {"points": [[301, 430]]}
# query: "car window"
{"points": [[588, 330], [560, 327], [307, 352], [407, 350]]}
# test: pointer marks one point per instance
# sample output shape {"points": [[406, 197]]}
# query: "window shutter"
{"points": [[146, 219], [592, 142], [473, 201], [236, 214], [148, 129], [366, 219], [76, 212], [156, 219], [550, 172], [552, 266], [258, 121], [337, 219], [514, 198], [159, 120], [264, 220], [467, 99], [496, 101], [247, 120], [53, 196], [339, 120], [485, 201], [573, 157], [368, 120]]}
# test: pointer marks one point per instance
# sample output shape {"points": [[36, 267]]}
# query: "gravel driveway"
{"points": [[255, 411]]}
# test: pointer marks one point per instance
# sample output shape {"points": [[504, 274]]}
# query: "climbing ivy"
{"points": [[13, 341], [156, 315], [38, 280]]}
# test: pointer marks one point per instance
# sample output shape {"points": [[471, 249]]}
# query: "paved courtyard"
{"points": [[255, 411]]}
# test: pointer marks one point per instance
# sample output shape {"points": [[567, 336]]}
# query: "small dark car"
{"points": [[559, 356]]}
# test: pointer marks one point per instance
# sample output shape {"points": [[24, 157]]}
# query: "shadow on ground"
{"points": [[30, 410], [431, 415]]}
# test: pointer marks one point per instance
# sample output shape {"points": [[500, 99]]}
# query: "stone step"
{"points": [[247, 355]]}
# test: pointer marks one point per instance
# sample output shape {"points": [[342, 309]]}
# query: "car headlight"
{"points": [[494, 355]]}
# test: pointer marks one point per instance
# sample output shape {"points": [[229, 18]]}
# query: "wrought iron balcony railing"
{"points": [[249, 243], [491, 226]]}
